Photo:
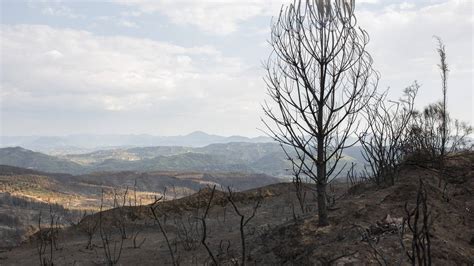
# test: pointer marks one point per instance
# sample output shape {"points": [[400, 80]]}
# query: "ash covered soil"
{"points": [[361, 227]]}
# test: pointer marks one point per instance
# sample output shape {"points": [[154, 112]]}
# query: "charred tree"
{"points": [[386, 134], [319, 76]]}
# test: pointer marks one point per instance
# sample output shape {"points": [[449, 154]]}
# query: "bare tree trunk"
{"points": [[319, 77], [321, 183], [163, 231], [321, 163], [443, 66], [322, 208], [243, 222], [204, 227]]}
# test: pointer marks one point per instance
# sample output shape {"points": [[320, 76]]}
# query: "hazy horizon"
{"points": [[137, 134], [164, 69]]}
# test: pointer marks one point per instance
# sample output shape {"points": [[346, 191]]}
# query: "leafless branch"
{"points": [[318, 76]]}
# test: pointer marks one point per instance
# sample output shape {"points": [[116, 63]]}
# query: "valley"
{"points": [[24, 193], [244, 157], [78, 184]]}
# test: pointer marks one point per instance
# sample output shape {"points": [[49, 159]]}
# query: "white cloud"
{"points": [[54, 54], [117, 21], [407, 5], [219, 17], [47, 69], [57, 9], [213, 16], [127, 23], [403, 48]]}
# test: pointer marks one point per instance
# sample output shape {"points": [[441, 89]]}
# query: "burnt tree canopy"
{"points": [[318, 76]]}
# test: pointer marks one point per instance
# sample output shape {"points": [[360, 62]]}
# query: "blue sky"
{"points": [[171, 67]]}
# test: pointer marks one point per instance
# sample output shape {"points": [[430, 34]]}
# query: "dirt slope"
{"points": [[274, 237], [303, 242]]}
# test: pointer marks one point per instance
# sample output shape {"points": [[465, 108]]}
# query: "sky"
{"points": [[170, 67]]}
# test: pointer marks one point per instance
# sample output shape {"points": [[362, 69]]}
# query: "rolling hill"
{"points": [[80, 143], [20, 157], [264, 158], [25, 193]]}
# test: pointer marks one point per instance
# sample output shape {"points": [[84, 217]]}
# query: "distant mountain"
{"points": [[20, 157], [87, 143], [214, 158], [234, 151]]}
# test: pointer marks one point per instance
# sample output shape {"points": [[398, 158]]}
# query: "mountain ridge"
{"points": [[216, 158], [82, 143]]}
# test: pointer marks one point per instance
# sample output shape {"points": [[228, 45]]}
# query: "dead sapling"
{"points": [[384, 140], [204, 228], [111, 245], [243, 221], [154, 209], [42, 244], [300, 191], [136, 242], [353, 178], [188, 232], [120, 222], [419, 223], [89, 226], [47, 238]]}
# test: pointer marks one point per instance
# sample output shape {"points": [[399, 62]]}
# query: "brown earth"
{"points": [[274, 236]]}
